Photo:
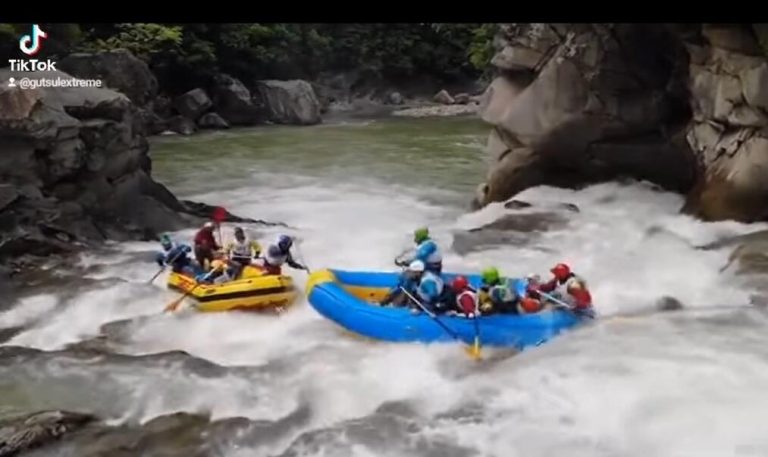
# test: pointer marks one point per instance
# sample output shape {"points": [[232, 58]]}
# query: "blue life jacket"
{"points": [[430, 288]]}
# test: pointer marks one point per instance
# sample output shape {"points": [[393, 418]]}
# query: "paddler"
{"points": [[241, 251], [409, 280], [463, 297], [530, 302], [174, 255], [205, 245], [425, 250], [430, 289], [278, 254], [497, 295], [569, 288]]}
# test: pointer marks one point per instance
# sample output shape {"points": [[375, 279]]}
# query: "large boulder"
{"points": [[193, 104], [182, 125], [23, 433], [74, 168], [682, 106], [580, 103], [212, 121], [395, 98], [729, 130], [233, 101], [290, 102], [119, 70], [444, 97], [462, 99]]}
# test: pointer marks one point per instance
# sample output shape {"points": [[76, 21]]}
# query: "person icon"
{"points": [[12, 82]]}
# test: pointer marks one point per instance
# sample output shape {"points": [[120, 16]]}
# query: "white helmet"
{"points": [[417, 266], [208, 224], [533, 277]]}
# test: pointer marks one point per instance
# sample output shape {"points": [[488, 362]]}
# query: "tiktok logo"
{"points": [[31, 44]]}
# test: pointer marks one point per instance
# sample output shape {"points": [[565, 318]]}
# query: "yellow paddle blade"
{"points": [[175, 304], [474, 350]]}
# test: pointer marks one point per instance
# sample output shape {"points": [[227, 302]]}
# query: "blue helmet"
{"points": [[284, 242]]}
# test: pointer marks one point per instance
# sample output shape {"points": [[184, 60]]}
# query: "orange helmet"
{"points": [[561, 271], [459, 283]]}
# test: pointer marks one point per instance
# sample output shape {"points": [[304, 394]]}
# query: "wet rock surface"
{"points": [[749, 253], [681, 106], [19, 434], [234, 102], [290, 102], [119, 70], [88, 433], [521, 226], [75, 169]]}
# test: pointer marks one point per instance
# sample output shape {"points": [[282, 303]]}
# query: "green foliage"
{"points": [[761, 32], [185, 55], [143, 40], [481, 47], [7, 31]]}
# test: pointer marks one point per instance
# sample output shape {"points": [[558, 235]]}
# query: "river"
{"points": [[674, 384]]}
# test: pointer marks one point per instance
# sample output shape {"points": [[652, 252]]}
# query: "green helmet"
{"points": [[165, 239], [490, 275], [420, 234]]}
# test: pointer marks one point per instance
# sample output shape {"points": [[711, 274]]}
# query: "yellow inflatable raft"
{"points": [[254, 291]]}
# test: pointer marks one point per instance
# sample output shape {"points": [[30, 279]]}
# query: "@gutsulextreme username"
{"points": [[34, 83]]}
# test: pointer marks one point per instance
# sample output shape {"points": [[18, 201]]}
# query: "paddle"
{"points": [[561, 303], [469, 349], [218, 216], [162, 269], [303, 260], [554, 300], [476, 347], [175, 304]]}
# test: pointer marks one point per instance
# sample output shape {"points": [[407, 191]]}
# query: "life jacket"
{"points": [[205, 239], [429, 252], [466, 301], [275, 256], [561, 289], [241, 251], [503, 293], [430, 287]]}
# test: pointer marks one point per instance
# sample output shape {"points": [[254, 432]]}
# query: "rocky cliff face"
{"points": [[74, 168], [679, 106], [728, 80]]}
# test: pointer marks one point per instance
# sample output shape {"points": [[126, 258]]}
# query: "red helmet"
{"points": [[459, 283], [561, 271]]}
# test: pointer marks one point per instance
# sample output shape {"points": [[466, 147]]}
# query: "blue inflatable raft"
{"points": [[350, 300]]}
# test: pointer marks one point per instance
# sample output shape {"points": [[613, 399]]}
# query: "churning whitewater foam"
{"points": [[664, 386]]}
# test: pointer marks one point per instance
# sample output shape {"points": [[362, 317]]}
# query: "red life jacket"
{"points": [[467, 301], [204, 238]]}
